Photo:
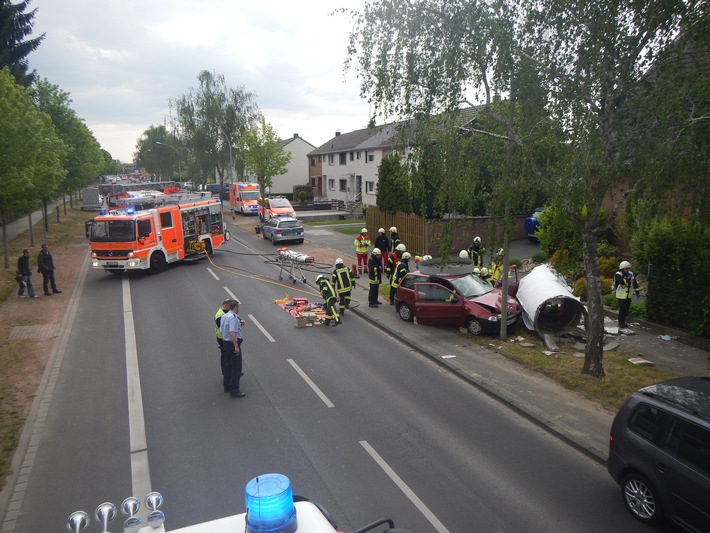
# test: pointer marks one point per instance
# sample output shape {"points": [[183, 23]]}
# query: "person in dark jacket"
{"points": [[374, 277], [329, 301], [23, 270], [343, 280], [401, 270], [45, 266], [624, 284], [383, 243]]}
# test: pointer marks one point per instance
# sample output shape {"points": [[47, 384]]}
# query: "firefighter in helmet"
{"points": [[401, 270], [343, 281], [496, 271], [394, 258], [374, 277], [329, 301], [475, 252]]}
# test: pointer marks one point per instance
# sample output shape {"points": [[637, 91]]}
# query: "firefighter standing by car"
{"points": [[329, 301], [343, 280], [624, 283], [475, 252], [401, 270], [395, 256], [496, 272], [383, 243], [374, 277], [362, 243]]}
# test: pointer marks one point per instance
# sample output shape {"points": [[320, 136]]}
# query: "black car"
{"points": [[659, 452]]}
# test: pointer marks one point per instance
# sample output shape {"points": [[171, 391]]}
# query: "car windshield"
{"points": [[250, 195], [113, 231], [471, 286], [280, 203], [289, 224]]}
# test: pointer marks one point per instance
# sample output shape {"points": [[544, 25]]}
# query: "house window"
{"points": [[370, 158], [352, 156], [358, 155], [331, 159], [331, 185], [343, 185], [313, 161], [370, 187], [343, 158]]}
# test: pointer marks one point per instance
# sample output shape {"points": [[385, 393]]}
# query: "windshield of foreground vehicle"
{"points": [[471, 286], [280, 203], [113, 231], [250, 195]]}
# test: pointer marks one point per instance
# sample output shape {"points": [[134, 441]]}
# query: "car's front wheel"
{"points": [[641, 498], [474, 326], [405, 312]]}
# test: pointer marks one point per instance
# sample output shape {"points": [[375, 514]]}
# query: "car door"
{"points": [[269, 228], [435, 305]]}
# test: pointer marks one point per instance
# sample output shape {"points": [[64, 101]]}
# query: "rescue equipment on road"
{"points": [[148, 240], [304, 313]]}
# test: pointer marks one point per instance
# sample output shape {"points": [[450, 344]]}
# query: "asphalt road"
{"points": [[358, 422]]}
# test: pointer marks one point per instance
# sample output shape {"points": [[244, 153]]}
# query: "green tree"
{"points": [[15, 27], [578, 63], [263, 152], [83, 159], [212, 119], [31, 152], [393, 188], [160, 152]]}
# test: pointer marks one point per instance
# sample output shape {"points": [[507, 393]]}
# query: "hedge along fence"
{"points": [[422, 236], [677, 255]]}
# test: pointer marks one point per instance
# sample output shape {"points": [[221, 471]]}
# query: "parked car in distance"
{"points": [[659, 453], [215, 188], [462, 300], [280, 229], [532, 224]]}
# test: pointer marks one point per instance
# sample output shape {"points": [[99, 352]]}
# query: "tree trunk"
{"points": [[593, 352]]}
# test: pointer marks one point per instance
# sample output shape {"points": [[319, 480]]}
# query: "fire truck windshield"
{"points": [[113, 231], [250, 195]]}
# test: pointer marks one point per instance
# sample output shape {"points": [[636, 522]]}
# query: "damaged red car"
{"points": [[463, 300]]}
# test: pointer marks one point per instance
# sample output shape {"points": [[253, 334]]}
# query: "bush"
{"points": [[538, 257], [302, 196], [580, 288], [608, 266], [516, 262]]}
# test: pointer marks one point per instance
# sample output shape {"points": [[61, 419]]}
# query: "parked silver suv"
{"points": [[659, 452]]}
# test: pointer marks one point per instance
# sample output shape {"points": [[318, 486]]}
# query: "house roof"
{"points": [[285, 142]]}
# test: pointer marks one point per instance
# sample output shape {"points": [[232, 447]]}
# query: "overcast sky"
{"points": [[122, 60]]}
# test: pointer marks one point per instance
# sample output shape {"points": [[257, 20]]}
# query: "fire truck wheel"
{"points": [[157, 263]]}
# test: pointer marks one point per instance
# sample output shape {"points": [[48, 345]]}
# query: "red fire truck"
{"points": [[148, 240]]}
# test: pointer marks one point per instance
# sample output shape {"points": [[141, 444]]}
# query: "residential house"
{"points": [[297, 169]]}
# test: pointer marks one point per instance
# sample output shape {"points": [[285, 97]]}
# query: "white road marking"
{"points": [[140, 470], [312, 385], [213, 274], [263, 330], [232, 295], [409, 493]]}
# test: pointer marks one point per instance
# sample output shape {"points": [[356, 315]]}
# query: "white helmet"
{"points": [[406, 255], [624, 264], [381, 230], [426, 257], [484, 271], [476, 240], [393, 229], [376, 251], [363, 230], [463, 254], [501, 252], [339, 261], [319, 277], [476, 271], [401, 248]]}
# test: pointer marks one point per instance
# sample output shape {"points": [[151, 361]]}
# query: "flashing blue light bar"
{"points": [[102, 211], [269, 503], [130, 210]]}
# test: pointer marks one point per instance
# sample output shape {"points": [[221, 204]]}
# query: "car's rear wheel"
{"points": [[474, 326], [273, 241], [405, 312], [641, 498]]}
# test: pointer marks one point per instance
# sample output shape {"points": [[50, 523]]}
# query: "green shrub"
{"points": [[580, 288], [610, 301], [608, 266], [608, 250], [538, 257], [638, 309], [516, 262]]}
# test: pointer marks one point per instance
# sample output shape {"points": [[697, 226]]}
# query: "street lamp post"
{"points": [[176, 151]]}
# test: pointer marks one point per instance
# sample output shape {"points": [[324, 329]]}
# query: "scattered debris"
{"points": [[527, 345], [578, 355], [548, 352], [611, 346], [640, 361], [667, 337], [448, 356], [579, 346]]}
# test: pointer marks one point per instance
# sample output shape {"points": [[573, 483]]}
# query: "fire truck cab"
{"points": [[148, 240]]}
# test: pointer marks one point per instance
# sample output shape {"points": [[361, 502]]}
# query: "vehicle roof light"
{"points": [[130, 210], [269, 503], [102, 211]]}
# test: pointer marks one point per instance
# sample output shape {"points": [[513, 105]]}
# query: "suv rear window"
{"points": [[289, 224]]}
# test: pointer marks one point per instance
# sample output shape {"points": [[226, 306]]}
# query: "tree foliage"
{"points": [[160, 152], [393, 186], [15, 27], [212, 118], [574, 69], [263, 153]]}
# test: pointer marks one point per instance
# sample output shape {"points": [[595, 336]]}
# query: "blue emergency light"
{"points": [[269, 503], [102, 211], [130, 210]]}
